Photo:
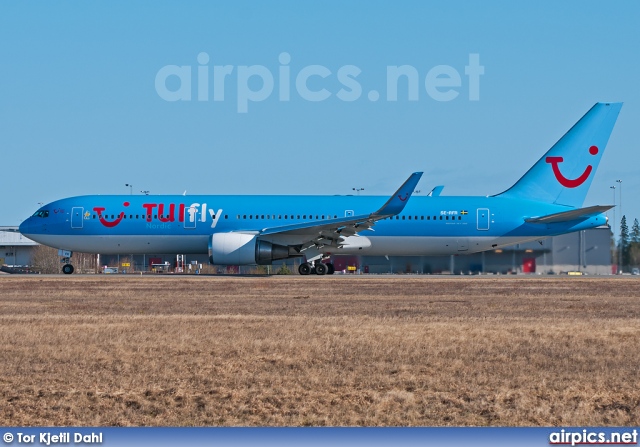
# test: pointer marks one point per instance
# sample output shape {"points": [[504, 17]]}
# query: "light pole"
{"points": [[357, 190], [614, 220], [130, 188], [619, 182]]}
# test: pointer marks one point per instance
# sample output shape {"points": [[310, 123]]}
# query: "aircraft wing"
{"points": [[565, 216], [333, 231]]}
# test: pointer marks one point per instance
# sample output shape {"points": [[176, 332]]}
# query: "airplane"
{"points": [[260, 229]]}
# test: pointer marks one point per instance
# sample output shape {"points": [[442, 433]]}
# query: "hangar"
{"points": [[15, 249]]}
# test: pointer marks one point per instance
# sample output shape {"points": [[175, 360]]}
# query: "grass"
{"points": [[292, 351]]}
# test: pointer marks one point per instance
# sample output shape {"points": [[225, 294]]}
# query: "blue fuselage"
{"points": [[183, 224]]}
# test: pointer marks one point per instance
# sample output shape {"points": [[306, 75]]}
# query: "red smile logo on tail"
{"points": [[566, 182]]}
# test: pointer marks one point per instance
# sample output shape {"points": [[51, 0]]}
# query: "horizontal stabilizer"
{"points": [[566, 216]]}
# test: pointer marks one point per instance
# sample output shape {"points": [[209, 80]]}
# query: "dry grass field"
{"points": [[298, 351]]}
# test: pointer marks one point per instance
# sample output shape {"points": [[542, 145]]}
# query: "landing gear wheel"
{"points": [[304, 268], [67, 269], [321, 269], [331, 269]]}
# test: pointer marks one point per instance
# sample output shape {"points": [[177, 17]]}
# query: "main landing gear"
{"points": [[318, 268]]}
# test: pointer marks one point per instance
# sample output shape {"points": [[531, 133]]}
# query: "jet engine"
{"points": [[245, 249]]}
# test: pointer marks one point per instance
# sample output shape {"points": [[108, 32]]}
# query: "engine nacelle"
{"points": [[244, 249]]}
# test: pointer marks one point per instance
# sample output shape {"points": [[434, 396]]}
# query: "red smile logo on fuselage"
{"points": [[104, 221], [566, 182]]}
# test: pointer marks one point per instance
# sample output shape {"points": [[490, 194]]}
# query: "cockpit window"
{"points": [[41, 213]]}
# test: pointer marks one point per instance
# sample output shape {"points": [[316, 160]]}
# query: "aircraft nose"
{"points": [[24, 227]]}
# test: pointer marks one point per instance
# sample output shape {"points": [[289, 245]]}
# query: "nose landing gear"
{"points": [[65, 256]]}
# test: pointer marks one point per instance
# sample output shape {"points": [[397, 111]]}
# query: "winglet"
{"points": [[435, 192], [399, 199]]}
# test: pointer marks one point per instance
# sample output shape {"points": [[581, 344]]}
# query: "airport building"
{"points": [[587, 251], [15, 249]]}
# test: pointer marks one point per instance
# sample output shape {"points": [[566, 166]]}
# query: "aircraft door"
{"points": [[77, 217], [463, 244], [483, 219]]}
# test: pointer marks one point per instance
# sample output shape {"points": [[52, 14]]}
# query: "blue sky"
{"points": [[80, 113]]}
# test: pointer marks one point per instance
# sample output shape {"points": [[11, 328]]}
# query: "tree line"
{"points": [[628, 245]]}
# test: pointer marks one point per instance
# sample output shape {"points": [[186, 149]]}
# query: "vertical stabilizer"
{"points": [[564, 174]]}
